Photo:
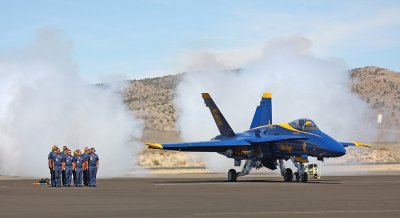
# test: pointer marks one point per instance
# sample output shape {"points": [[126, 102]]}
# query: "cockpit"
{"points": [[304, 125]]}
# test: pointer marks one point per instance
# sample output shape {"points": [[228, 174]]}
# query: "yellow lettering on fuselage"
{"points": [[285, 147]]}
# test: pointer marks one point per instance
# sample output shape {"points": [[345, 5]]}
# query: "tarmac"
{"points": [[206, 195]]}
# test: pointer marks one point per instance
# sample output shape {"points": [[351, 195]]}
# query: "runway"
{"points": [[207, 196]]}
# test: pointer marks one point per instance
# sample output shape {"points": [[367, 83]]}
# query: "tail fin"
{"points": [[222, 124], [263, 114]]}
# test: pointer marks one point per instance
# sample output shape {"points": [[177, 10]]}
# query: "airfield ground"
{"points": [[207, 195]]}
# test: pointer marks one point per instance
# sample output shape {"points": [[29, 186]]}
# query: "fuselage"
{"points": [[315, 144]]}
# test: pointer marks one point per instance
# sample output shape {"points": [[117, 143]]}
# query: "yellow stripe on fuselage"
{"points": [[286, 126], [289, 127]]}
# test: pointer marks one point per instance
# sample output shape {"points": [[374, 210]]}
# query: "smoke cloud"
{"points": [[44, 101], [303, 85]]}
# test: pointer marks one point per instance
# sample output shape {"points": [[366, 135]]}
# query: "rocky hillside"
{"points": [[152, 101], [380, 88]]}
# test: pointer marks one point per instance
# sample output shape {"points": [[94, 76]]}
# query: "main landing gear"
{"points": [[288, 176], [249, 164], [232, 175]]}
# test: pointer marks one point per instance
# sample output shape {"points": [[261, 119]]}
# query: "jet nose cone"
{"points": [[338, 149]]}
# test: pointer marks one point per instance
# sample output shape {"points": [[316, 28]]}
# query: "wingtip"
{"points": [[357, 143], [154, 145]]}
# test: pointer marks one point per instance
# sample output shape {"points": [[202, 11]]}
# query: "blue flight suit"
{"points": [[67, 159], [74, 171], [92, 160], [85, 172], [78, 160], [50, 157], [57, 160], [63, 154]]}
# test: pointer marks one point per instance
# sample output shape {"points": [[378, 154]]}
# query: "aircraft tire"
{"points": [[296, 177], [232, 175], [288, 175], [305, 177]]}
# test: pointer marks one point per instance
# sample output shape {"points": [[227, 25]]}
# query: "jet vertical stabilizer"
{"points": [[263, 114], [223, 126]]}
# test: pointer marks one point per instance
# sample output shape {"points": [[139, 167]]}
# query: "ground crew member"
{"points": [[57, 167], [64, 152], [93, 162], [73, 169], [78, 165], [50, 162], [85, 168], [67, 166]]}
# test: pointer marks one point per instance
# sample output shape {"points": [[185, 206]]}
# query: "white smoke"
{"points": [[44, 101], [302, 85]]}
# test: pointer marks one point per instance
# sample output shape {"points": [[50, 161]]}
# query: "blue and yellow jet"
{"points": [[266, 144]]}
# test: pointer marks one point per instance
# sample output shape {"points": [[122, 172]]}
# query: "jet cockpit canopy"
{"points": [[304, 124]]}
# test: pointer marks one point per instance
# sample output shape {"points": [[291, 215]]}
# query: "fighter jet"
{"points": [[266, 144]]}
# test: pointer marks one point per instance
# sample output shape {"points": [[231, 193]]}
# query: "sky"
{"points": [[138, 39]]}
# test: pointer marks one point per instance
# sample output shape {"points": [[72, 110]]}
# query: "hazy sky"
{"points": [[155, 37]]}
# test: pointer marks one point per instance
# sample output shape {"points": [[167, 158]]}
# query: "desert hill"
{"points": [[152, 101], [380, 88]]}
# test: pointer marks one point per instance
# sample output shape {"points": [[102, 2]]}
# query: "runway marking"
{"points": [[198, 183], [299, 212], [239, 183]]}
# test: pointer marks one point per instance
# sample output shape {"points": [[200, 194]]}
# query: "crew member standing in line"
{"points": [[57, 167], [85, 168], [50, 162], [93, 162], [73, 169], [64, 153], [77, 165], [67, 166]]}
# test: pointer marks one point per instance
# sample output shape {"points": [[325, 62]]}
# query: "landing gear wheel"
{"points": [[305, 177], [288, 175], [296, 177], [232, 175]]}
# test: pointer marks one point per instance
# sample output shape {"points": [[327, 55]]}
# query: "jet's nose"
{"points": [[337, 149], [332, 147]]}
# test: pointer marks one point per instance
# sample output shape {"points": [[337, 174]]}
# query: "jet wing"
{"points": [[208, 146], [220, 145], [346, 144]]}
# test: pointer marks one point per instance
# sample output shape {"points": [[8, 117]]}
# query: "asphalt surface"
{"points": [[207, 196]]}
